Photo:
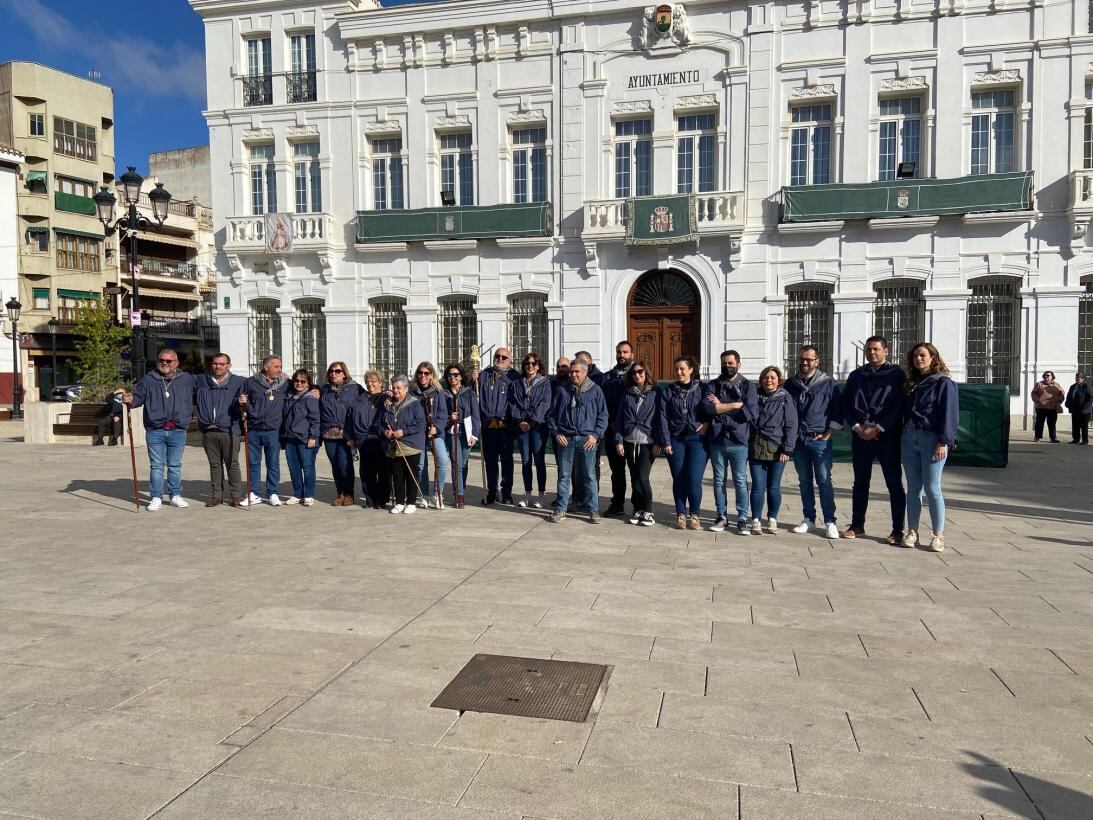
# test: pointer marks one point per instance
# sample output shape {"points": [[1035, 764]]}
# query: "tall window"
{"points": [[1085, 329], [37, 125], [633, 158], [41, 298], [696, 163], [1087, 153], [301, 80], [309, 334], [74, 139], [265, 333], [77, 252], [458, 326], [457, 166], [387, 326], [528, 326], [263, 180], [309, 186], [899, 315], [900, 130], [388, 181], [810, 145], [993, 131], [810, 320], [258, 84], [994, 324], [529, 165], [69, 303]]}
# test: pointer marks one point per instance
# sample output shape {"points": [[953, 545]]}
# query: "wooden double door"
{"points": [[663, 320]]}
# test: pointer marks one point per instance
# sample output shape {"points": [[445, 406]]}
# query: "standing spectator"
{"points": [[731, 407], [263, 400], [577, 421], [1079, 401], [463, 421], [362, 429], [819, 415], [773, 439], [494, 385], [873, 407], [337, 396], [1047, 398], [300, 437], [684, 432], [221, 433], [637, 422], [530, 402], [111, 419], [597, 376], [167, 396], [932, 412], [430, 392], [613, 386], [404, 428]]}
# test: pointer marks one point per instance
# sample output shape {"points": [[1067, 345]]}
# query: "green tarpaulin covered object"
{"points": [[908, 197], [661, 220], [465, 222]]}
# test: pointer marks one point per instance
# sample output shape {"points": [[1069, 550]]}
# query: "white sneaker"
{"points": [[805, 525], [291, 500], [251, 500], [772, 526], [397, 508], [179, 501], [524, 501], [831, 531], [537, 502], [274, 501], [155, 504], [408, 510], [308, 502], [756, 527], [422, 503]]}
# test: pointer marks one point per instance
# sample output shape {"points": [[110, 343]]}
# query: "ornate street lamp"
{"points": [[14, 306]]}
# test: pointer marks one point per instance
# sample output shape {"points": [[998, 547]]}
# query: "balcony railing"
{"points": [[162, 267], [301, 86], [258, 90], [165, 325], [717, 209], [279, 233], [190, 209]]}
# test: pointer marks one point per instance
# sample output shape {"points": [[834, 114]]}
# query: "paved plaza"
{"points": [[280, 662]]}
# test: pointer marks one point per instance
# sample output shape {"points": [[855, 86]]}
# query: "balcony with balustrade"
{"points": [[716, 213], [281, 234]]}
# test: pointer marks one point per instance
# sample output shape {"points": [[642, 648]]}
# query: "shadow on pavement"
{"points": [[1014, 789]]}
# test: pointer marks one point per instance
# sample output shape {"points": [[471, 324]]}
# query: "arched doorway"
{"points": [[663, 320]]}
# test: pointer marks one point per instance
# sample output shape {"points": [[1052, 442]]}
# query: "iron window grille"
{"points": [[1087, 141], [258, 82], [458, 330], [309, 332], [528, 326], [810, 320], [994, 324], [899, 315], [301, 80], [388, 337], [1085, 329], [264, 335]]}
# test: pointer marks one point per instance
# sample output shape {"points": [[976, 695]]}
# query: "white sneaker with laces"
{"points": [[805, 525], [830, 530], [422, 503], [155, 504], [274, 501], [179, 501], [756, 527], [308, 502], [408, 510], [772, 526], [435, 503], [251, 500], [292, 500], [647, 519], [398, 508]]}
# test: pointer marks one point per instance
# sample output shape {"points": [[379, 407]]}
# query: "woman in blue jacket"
{"points": [[683, 432], [335, 399], [403, 426], [300, 437], [932, 410], [637, 427], [464, 426], [362, 429], [529, 402], [773, 438], [430, 392]]}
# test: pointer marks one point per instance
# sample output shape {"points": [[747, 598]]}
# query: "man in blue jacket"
{"points": [[819, 414], [731, 407], [873, 407], [218, 417], [494, 387], [577, 422], [263, 400], [167, 396], [614, 385]]}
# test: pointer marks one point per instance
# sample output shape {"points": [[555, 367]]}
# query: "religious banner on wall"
{"points": [[661, 220], [278, 233]]}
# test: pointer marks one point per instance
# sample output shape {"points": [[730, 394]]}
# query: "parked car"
{"points": [[66, 392]]}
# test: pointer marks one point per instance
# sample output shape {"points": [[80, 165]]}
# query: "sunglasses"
{"points": [[500, 358], [424, 373], [166, 361], [638, 371], [454, 375], [299, 381], [531, 364], [335, 370]]}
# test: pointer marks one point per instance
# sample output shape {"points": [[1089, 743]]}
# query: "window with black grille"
{"points": [[528, 326], [387, 337], [309, 338], [1085, 328], [264, 334], [899, 315], [810, 320], [994, 324], [458, 329]]}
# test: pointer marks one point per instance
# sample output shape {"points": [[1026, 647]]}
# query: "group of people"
{"points": [[905, 419], [1047, 398]]}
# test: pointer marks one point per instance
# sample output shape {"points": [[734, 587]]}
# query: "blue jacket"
{"points": [[334, 404], [218, 404], [434, 404], [680, 410], [494, 387], [614, 385], [580, 412], [362, 420], [530, 404], [818, 401], [777, 420], [467, 404], [934, 406], [165, 400], [408, 417], [639, 409], [301, 419], [875, 395], [266, 402], [597, 375], [733, 427]]}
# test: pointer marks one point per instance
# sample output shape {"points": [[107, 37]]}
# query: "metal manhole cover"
{"points": [[525, 687]]}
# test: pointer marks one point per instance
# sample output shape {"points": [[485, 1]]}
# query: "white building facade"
{"points": [[397, 184]]}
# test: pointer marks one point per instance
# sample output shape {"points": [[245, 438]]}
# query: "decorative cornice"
{"points": [[697, 101], [534, 115], [460, 121], [1007, 76], [811, 92], [303, 131], [632, 107], [258, 134], [383, 127], [903, 84]]}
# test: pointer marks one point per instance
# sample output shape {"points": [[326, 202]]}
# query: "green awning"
{"points": [[84, 234], [76, 294], [74, 203], [661, 220], [36, 176], [37, 229], [895, 198], [461, 222]]}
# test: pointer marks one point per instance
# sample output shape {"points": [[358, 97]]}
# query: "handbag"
{"points": [[333, 434]]}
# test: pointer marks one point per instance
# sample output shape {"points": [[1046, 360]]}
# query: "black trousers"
{"points": [[222, 451], [1051, 417], [618, 470], [1079, 423], [107, 423], [404, 472], [886, 450], [639, 460], [375, 475]]}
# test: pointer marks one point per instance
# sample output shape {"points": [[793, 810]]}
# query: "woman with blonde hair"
{"points": [[430, 392]]}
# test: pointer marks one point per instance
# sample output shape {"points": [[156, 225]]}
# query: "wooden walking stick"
{"points": [[436, 461], [246, 455], [132, 455]]}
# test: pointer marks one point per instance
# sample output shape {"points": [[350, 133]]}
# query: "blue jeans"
{"points": [[735, 456], [497, 444], [301, 468], [688, 464], [923, 474], [165, 448], [574, 451], [533, 454], [424, 473], [268, 443], [812, 458], [459, 476], [341, 464], [766, 480]]}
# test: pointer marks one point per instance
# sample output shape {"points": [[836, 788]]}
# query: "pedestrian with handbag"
{"points": [[335, 398], [1047, 398]]}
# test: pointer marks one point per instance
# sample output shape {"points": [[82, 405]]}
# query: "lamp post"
{"points": [[133, 222], [14, 306], [53, 324]]}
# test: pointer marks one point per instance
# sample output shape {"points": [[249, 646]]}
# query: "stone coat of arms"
{"points": [[663, 24]]}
